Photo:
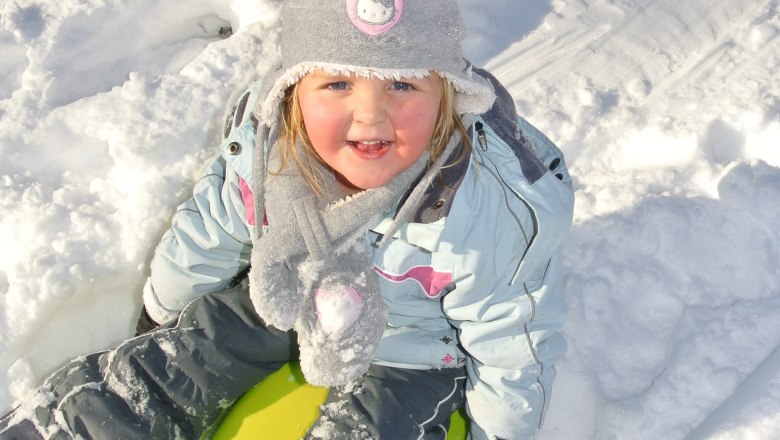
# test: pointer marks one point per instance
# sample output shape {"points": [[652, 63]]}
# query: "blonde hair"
{"points": [[293, 131]]}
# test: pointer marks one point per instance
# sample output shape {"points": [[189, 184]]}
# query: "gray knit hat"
{"points": [[375, 38]]}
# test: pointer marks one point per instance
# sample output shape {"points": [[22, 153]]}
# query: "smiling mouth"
{"points": [[369, 146]]}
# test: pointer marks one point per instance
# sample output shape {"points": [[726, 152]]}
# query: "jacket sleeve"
{"points": [[209, 242], [511, 347], [509, 322]]}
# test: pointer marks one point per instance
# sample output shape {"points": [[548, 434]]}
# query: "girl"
{"points": [[402, 225]]}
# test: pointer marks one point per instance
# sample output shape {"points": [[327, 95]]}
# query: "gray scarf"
{"points": [[312, 270]]}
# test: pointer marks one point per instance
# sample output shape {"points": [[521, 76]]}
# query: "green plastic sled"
{"points": [[283, 406]]}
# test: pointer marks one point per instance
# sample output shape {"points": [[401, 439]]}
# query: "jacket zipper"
{"points": [[482, 139], [481, 135]]}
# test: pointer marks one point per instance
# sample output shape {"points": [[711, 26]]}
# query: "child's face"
{"points": [[368, 130]]}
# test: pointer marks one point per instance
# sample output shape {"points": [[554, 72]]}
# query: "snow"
{"points": [[668, 112], [337, 309]]}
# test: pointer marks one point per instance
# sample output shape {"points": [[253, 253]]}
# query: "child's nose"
{"points": [[369, 108]]}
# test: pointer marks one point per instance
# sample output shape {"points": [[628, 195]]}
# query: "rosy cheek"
{"points": [[425, 112], [423, 120], [318, 125], [414, 118]]}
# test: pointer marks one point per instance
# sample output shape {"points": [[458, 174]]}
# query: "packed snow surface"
{"points": [[668, 112]]}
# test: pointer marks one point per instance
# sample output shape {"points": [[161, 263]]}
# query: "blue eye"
{"points": [[401, 86], [340, 85]]}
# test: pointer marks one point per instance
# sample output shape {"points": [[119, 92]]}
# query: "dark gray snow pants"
{"points": [[180, 380]]}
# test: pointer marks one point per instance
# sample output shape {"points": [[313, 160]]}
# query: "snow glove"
{"points": [[312, 268]]}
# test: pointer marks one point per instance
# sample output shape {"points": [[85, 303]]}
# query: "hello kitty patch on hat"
{"points": [[374, 17]]}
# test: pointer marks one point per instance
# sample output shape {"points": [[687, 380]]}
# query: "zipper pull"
{"points": [[481, 136]]}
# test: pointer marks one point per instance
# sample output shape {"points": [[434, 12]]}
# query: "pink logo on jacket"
{"points": [[431, 281], [374, 17]]}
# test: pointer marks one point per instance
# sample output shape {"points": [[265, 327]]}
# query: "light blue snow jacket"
{"points": [[478, 283]]}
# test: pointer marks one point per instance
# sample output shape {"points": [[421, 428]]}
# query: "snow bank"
{"points": [[109, 111]]}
